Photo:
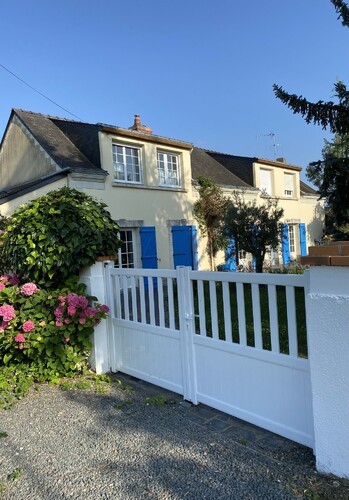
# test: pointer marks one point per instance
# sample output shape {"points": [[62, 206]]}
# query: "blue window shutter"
{"points": [[182, 245], [303, 238], [148, 247], [230, 256], [194, 247], [285, 244]]}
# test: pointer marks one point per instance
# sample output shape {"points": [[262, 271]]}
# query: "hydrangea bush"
{"points": [[47, 330]]}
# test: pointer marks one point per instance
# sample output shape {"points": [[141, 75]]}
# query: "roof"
{"points": [[204, 165], [70, 144], [74, 145], [217, 166], [306, 189]]}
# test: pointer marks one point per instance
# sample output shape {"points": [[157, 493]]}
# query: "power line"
{"points": [[38, 92]]}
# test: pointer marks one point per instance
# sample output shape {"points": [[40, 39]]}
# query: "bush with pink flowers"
{"points": [[49, 331]]}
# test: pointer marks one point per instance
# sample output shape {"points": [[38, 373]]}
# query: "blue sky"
{"points": [[195, 70]]}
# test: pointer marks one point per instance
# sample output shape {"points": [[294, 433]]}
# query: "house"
{"points": [[253, 178], [147, 182]]}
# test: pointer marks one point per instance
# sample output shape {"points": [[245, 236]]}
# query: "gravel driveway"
{"points": [[121, 445]]}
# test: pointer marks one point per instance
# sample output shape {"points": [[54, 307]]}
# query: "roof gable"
{"points": [[58, 145]]}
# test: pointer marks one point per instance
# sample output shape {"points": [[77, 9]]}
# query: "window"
{"points": [[126, 251], [127, 164], [291, 238], [168, 168], [265, 181], [289, 184]]}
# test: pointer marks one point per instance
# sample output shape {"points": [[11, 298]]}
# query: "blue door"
{"points": [[148, 251], [184, 245], [285, 244], [303, 239]]}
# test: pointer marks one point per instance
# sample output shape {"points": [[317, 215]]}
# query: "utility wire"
{"points": [[38, 92]]}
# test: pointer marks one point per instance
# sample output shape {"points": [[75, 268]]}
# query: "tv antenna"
{"points": [[274, 145]]}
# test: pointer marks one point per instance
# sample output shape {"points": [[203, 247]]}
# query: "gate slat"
{"points": [[170, 303], [257, 322], [161, 302], [213, 308], [142, 300], [227, 312], [273, 319], [116, 283], [134, 308], [291, 321], [125, 292], [151, 300], [241, 313], [201, 303]]}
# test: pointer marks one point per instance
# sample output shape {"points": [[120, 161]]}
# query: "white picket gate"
{"points": [[228, 340]]}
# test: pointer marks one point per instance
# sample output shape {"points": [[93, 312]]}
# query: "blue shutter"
{"points": [[230, 256], [148, 247], [303, 239], [182, 244], [194, 248], [285, 244]]}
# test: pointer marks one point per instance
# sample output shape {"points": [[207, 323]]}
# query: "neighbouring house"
{"points": [[147, 181], [303, 219]]}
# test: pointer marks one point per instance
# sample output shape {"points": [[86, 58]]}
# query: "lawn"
{"points": [[264, 306]]}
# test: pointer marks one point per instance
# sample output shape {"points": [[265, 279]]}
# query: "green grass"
{"points": [[264, 307]]}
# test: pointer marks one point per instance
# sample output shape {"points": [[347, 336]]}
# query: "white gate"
{"points": [[234, 341]]}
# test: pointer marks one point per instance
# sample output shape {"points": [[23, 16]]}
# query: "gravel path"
{"points": [[79, 445]]}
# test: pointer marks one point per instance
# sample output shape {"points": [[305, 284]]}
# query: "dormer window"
{"points": [[168, 169], [289, 185], [127, 164], [265, 181]]}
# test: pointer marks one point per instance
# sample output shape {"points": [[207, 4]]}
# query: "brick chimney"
{"points": [[138, 127]]}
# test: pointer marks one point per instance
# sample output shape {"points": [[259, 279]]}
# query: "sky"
{"points": [[195, 70]]}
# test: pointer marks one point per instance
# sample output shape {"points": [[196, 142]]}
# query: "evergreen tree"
{"points": [[330, 175]]}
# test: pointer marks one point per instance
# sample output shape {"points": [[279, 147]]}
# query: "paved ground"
{"points": [[142, 442]]}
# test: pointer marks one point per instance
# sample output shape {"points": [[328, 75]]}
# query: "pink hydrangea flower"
{"points": [[29, 289], [13, 280], [20, 338], [3, 326], [59, 323], [82, 321], [58, 312], [21, 346], [67, 339], [7, 312], [2, 286], [71, 310], [4, 279], [104, 308], [28, 326], [66, 321], [90, 312]]}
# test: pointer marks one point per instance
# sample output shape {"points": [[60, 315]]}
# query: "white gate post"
{"points": [[187, 332], [94, 279], [327, 305]]}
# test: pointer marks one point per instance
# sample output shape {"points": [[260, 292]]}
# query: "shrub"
{"points": [[52, 237], [48, 331]]}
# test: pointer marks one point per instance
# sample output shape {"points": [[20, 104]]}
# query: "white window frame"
{"points": [[288, 180], [264, 190], [167, 161], [292, 238], [124, 252], [124, 163]]}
